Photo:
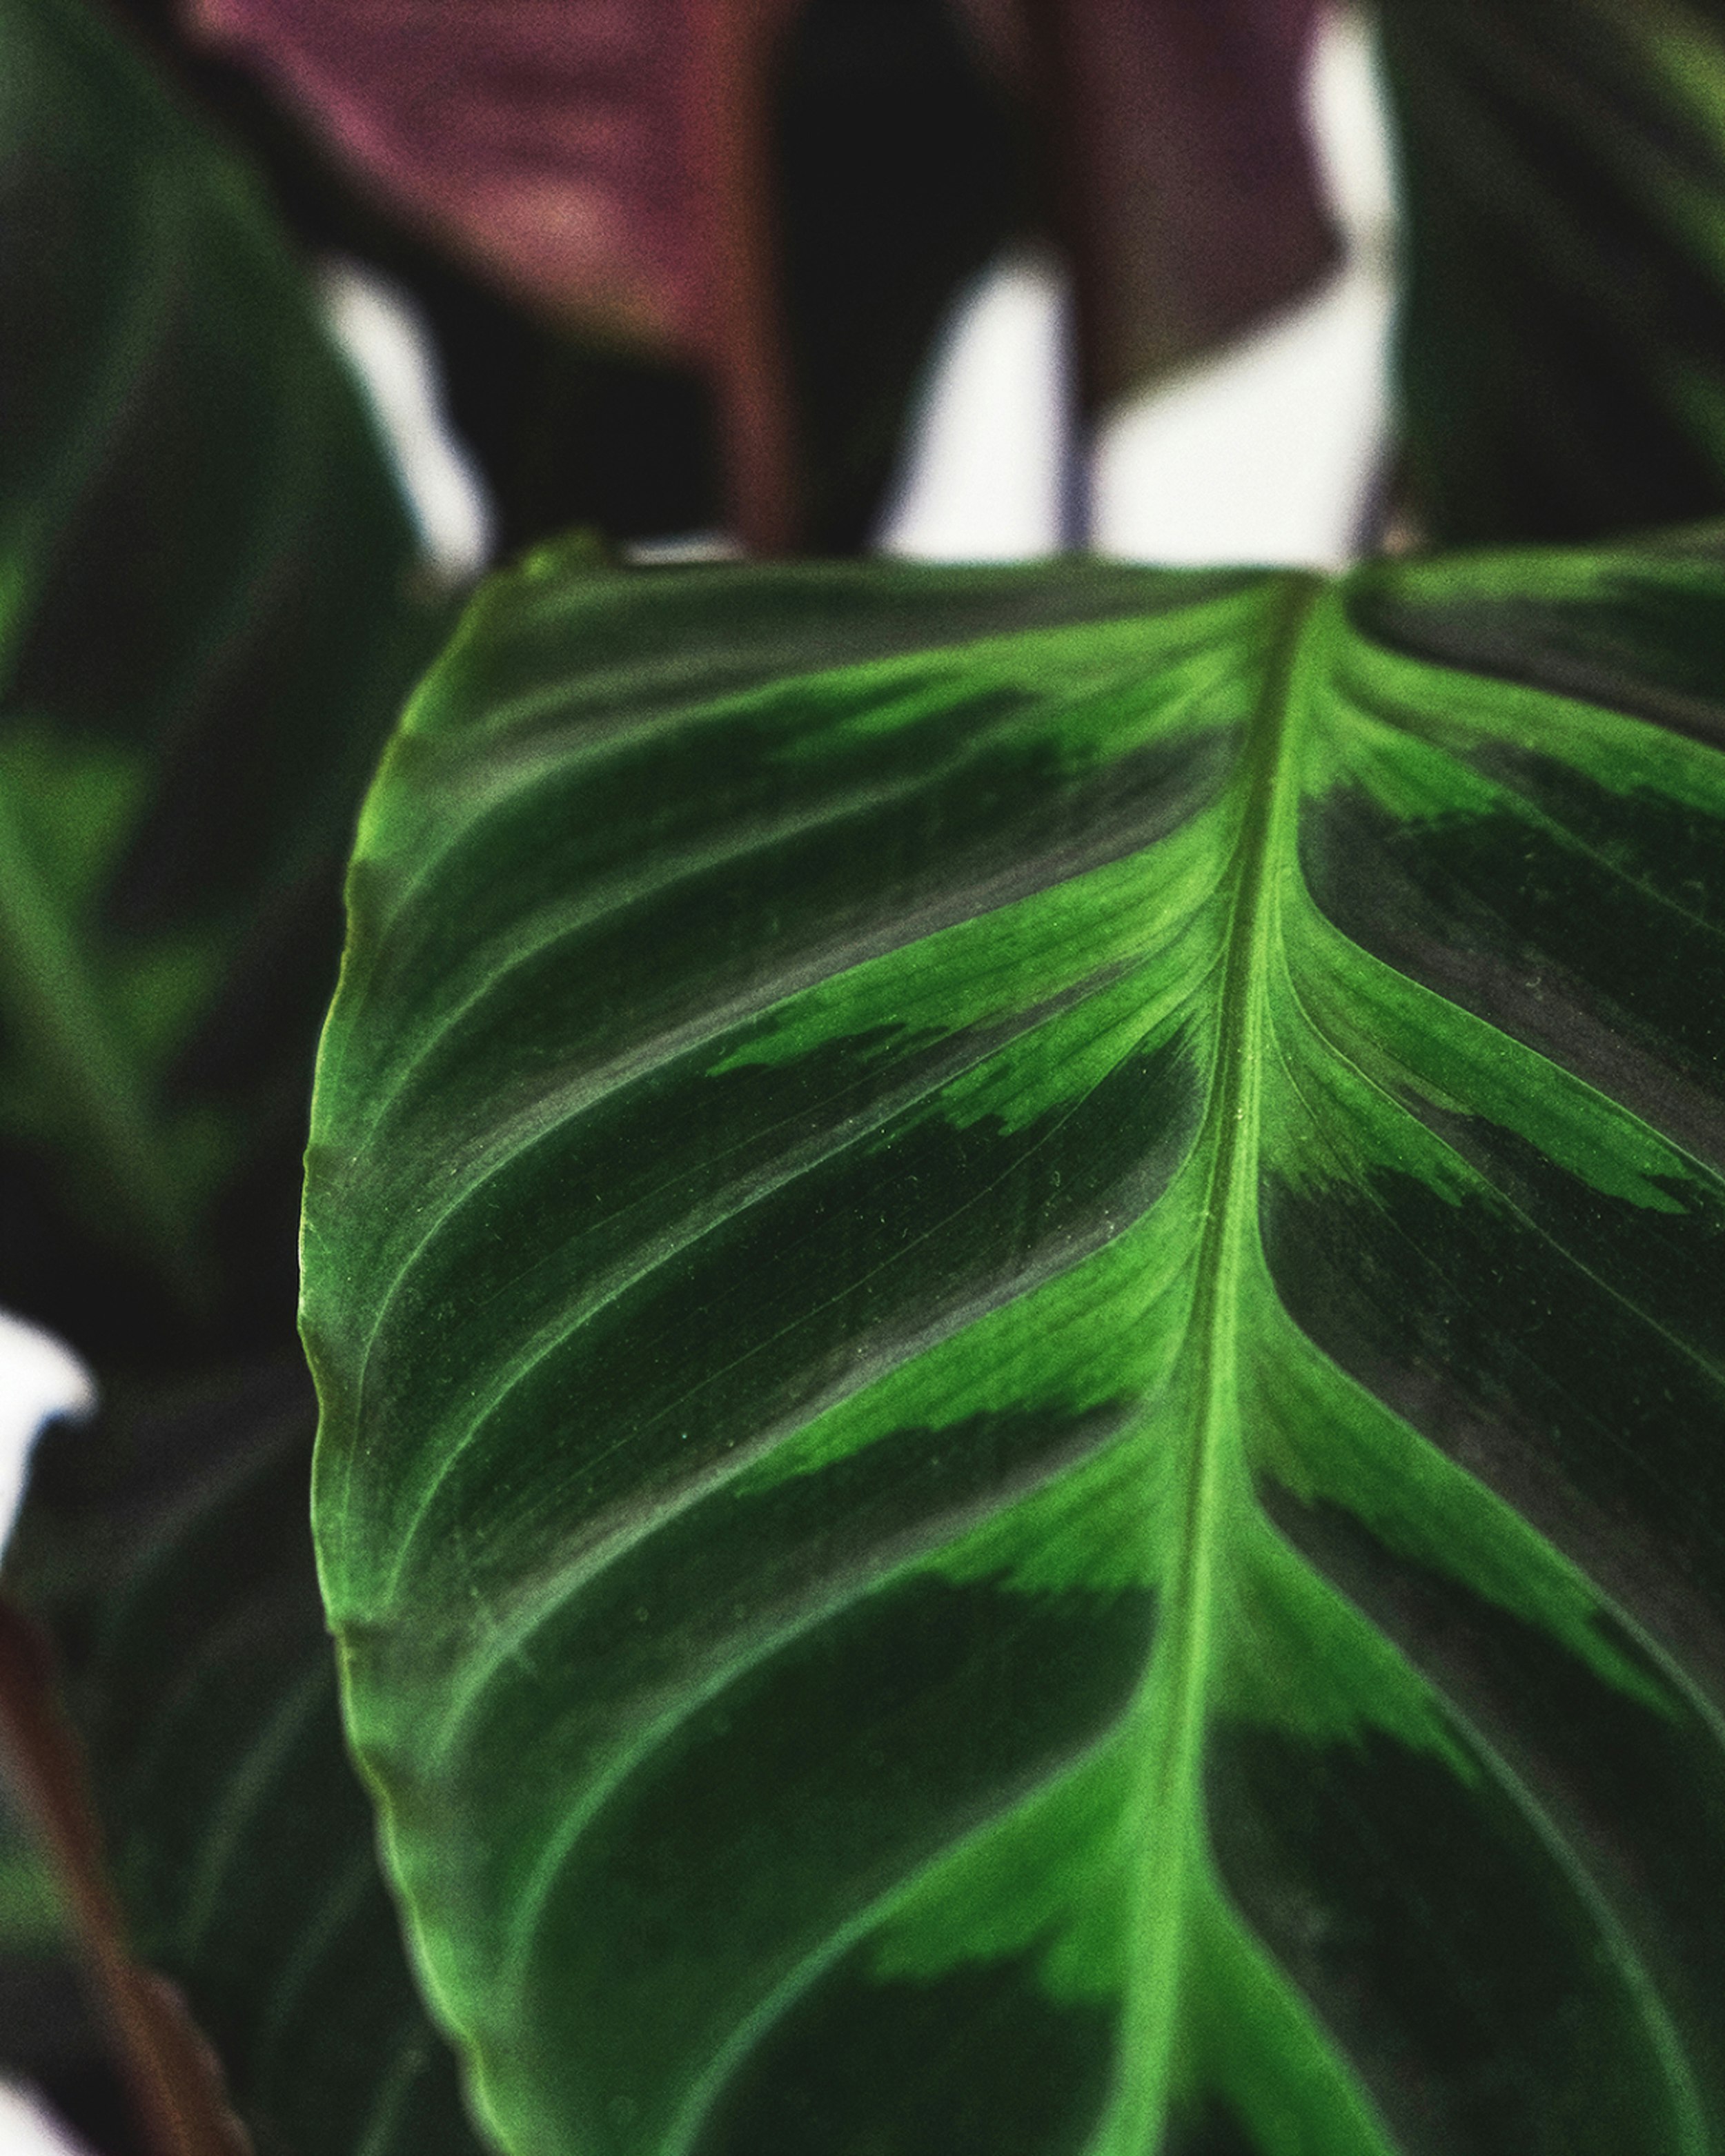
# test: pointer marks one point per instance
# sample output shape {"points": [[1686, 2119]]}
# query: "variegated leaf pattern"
{"points": [[1017, 1284], [1562, 184], [209, 613]]}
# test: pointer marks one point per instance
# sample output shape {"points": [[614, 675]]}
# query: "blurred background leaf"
{"points": [[552, 143], [904, 143], [167, 1549], [1183, 184], [44, 2026], [1562, 364], [211, 611], [31, 1919], [896, 167]]}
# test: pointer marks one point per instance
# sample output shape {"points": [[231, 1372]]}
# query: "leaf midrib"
{"points": [[1171, 1708]]}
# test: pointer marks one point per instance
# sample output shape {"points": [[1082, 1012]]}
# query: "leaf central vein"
{"points": [[1172, 1708]]}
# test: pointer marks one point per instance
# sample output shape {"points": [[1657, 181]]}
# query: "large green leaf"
{"points": [[206, 621], [168, 1549], [1564, 323], [1016, 1280]]}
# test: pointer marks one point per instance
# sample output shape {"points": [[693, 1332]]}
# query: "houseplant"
{"points": [[1014, 1274]]}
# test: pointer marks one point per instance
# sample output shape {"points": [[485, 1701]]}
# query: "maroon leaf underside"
{"points": [[180, 2105], [582, 153], [604, 161], [1186, 189], [557, 143]]}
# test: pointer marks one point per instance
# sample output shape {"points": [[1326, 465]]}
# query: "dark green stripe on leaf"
{"points": [[838, 1765], [1633, 1782], [1009, 1323], [976, 2063], [1449, 1946], [1483, 909], [1217, 2130], [1542, 1377]]}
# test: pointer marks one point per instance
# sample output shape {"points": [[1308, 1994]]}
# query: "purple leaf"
{"points": [[1187, 193], [556, 143]]}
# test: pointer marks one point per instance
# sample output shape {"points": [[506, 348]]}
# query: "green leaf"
{"points": [[1015, 1279], [167, 1548], [1564, 322], [206, 621], [32, 1920]]}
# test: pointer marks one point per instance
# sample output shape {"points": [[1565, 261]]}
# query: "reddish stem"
{"points": [[731, 51], [1056, 89], [1184, 193], [175, 2081]]}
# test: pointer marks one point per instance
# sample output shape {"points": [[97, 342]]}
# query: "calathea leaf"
{"points": [[1016, 1284], [1564, 174], [167, 1550], [205, 622]]}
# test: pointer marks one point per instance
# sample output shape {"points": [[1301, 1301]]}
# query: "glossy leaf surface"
{"points": [[1016, 1280], [1563, 171], [204, 627], [168, 1548]]}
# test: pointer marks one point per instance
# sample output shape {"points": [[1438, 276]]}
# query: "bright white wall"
{"points": [[40, 1377], [29, 2128], [382, 334], [1268, 452]]}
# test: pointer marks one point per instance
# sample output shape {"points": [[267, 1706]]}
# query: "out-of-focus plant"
{"points": [[1016, 1278]]}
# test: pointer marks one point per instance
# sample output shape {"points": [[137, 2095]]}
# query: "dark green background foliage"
{"points": [[47, 2033], [207, 621], [1563, 319], [167, 1548], [210, 607], [1022, 1270]]}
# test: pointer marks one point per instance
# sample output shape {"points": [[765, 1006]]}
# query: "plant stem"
{"points": [[172, 2074], [730, 50]]}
